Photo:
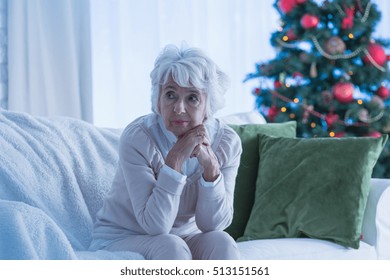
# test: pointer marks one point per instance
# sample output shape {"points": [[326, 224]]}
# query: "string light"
{"points": [[332, 134], [350, 36], [359, 101], [313, 125], [322, 116]]}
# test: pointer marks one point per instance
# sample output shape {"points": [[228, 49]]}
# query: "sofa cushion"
{"points": [[247, 171], [314, 187]]}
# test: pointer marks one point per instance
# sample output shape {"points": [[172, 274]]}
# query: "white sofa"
{"points": [[55, 172]]}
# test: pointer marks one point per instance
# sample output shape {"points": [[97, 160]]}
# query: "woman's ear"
{"points": [[205, 117]]}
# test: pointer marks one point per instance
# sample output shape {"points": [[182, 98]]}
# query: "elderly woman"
{"points": [[172, 195]]}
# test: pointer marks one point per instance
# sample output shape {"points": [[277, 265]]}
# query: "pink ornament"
{"points": [[376, 53], [309, 21], [343, 92], [375, 134], [383, 92]]}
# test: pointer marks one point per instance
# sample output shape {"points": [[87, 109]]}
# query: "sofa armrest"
{"points": [[376, 221]]}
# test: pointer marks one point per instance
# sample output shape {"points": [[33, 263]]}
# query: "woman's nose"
{"points": [[179, 107]]}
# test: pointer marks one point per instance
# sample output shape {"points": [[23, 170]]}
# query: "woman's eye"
{"points": [[170, 95], [194, 98]]}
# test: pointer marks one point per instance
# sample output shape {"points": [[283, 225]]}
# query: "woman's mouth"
{"points": [[180, 122]]}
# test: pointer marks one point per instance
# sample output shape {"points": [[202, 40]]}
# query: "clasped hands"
{"points": [[194, 143]]}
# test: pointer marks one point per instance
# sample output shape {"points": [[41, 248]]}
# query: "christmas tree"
{"points": [[330, 74]]}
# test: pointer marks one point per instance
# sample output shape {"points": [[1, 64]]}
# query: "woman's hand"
{"points": [[195, 143], [207, 159], [184, 147]]}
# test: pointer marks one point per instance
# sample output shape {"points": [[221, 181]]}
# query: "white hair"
{"points": [[189, 67]]}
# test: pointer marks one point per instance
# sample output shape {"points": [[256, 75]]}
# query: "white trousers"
{"points": [[213, 245]]}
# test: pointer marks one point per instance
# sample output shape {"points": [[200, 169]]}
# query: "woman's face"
{"points": [[181, 108]]}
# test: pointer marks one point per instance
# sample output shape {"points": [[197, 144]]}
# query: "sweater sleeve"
{"points": [[154, 192], [214, 210]]}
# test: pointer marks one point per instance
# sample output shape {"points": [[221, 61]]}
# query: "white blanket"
{"points": [[54, 174]]}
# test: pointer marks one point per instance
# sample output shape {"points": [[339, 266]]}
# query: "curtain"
{"points": [[128, 35], [49, 58], [3, 55]]}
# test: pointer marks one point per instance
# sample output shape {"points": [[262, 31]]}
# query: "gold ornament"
{"points": [[334, 45]]}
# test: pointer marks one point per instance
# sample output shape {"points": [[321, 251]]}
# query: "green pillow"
{"points": [[244, 194], [314, 187]]}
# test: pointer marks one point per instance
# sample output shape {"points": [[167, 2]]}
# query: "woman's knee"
{"points": [[171, 247], [226, 246], [217, 245], [221, 239]]}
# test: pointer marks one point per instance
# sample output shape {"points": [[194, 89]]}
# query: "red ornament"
{"points": [[257, 91], [340, 134], [297, 75], [291, 35], [376, 53], [343, 92], [309, 21], [383, 92], [347, 22], [277, 84], [287, 6], [331, 118], [272, 113]]}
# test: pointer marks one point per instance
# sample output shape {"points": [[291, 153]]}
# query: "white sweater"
{"points": [[148, 197]]}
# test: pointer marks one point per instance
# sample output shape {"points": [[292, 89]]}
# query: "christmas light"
{"points": [[332, 134]]}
